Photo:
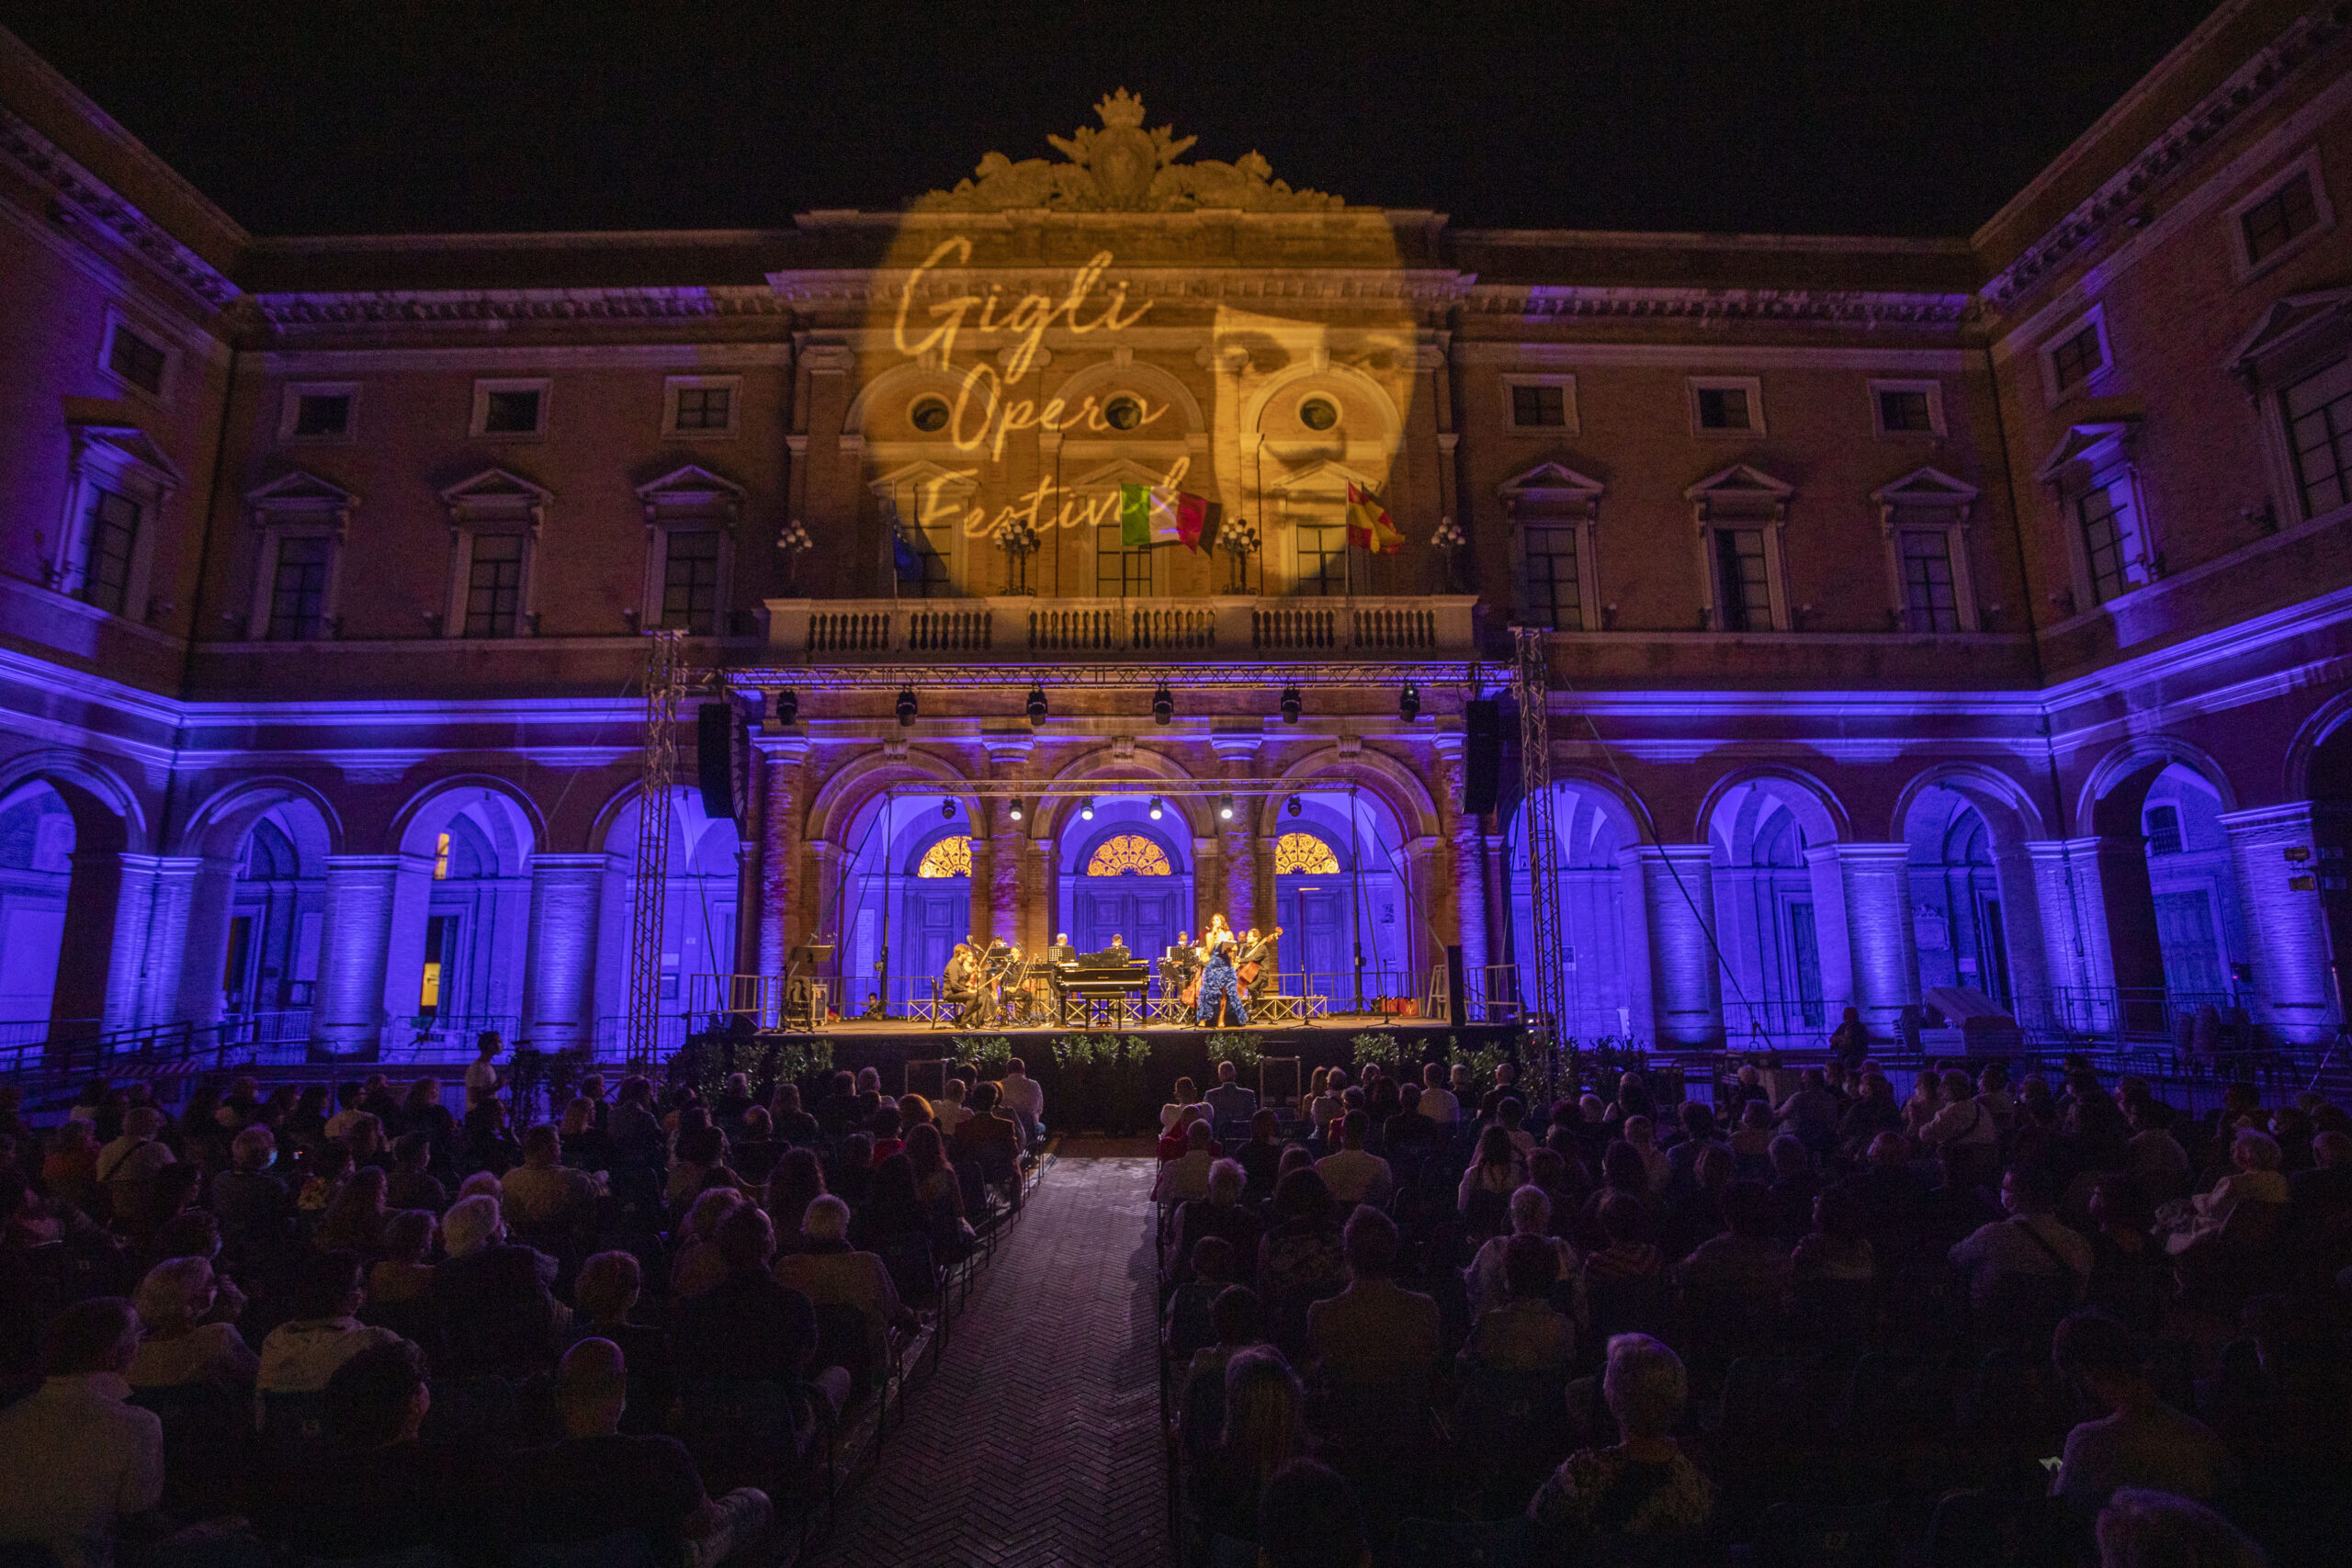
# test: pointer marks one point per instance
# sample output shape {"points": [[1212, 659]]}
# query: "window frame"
{"points": [[671, 386], [297, 505], [484, 386], [290, 412], [118, 320], [2244, 264], [2084, 452], [1738, 498], [1570, 423], [691, 500], [2093, 383], [2299, 483], [1922, 502], [1753, 385], [123, 460], [1553, 496], [1935, 430], [494, 502]]}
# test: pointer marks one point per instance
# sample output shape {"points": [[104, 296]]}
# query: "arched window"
{"points": [[949, 857], [1129, 854], [1304, 855]]}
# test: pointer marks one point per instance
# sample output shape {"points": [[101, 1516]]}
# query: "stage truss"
{"points": [[1544, 970]]}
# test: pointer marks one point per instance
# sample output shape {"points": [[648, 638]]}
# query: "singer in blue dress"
{"points": [[1218, 980]]}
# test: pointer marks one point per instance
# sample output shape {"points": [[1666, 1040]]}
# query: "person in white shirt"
{"points": [[1438, 1103], [482, 1077], [2032, 1240], [176, 1345], [127, 1164], [1022, 1098], [1352, 1175], [1531, 1214], [1187, 1175], [79, 1459], [302, 1354]]}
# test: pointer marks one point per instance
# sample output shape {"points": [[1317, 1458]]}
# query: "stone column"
{"points": [[86, 949], [1036, 894], [1238, 751], [2282, 903], [829, 921], [1419, 910], [1686, 985], [2022, 934], [1879, 935], [1209, 878], [2074, 930], [2130, 904], [1008, 752], [1468, 869], [780, 805], [1007, 851], [560, 966], [347, 1015], [203, 946], [150, 938]]}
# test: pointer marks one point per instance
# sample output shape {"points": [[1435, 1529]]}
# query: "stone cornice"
{"points": [[866, 288], [2250, 87], [463, 306], [77, 194]]}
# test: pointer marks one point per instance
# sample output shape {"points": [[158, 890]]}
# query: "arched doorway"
{"points": [[35, 878], [2176, 934], [905, 899], [1603, 978], [277, 916], [1124, 874], [698, 914], [462, 916], [1338, 888], [1958, 919], [1779, 911]]}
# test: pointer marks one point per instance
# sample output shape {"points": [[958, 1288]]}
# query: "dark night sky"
{"points": [[1828, 118]]}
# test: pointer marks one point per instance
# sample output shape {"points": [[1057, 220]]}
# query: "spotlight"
{"points": [[948, 806], [905, 706], [1291, 702], [788, 708], [1155, 809], [1408, 702], [1016, 812], [1037, 704], [1163, 704], [1296, 806], [1086, 808], [1225, 808]]}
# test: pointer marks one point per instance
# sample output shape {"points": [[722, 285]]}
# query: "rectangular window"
{"points": [[1929, 603], [1119, 572], [510, 413], [2319, 432], [1323, 560], [704, 408], [322, 413], [1551, 588], [2279, 218], [1538, 407], [1905, 413], [2164, 829], [1723, 408], [135, 359], [1743, 593], [2104, 513], [494, 586], [298, 590], [109, 532], [2076, 359], [690, 583]]}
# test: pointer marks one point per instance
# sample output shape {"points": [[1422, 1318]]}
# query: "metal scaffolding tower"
{"points": [[663, 683], [1543, 986]]}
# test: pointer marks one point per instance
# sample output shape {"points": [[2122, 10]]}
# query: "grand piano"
{"points": [[1107, 987]]}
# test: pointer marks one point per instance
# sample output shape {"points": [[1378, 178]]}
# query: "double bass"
{"points": [[1253, 961]]}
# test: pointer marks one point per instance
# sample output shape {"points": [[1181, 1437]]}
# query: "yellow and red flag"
{"points": [[1368, 524]]}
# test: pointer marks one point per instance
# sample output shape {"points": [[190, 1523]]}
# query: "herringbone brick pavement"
{"points": [[1037, 1442]]}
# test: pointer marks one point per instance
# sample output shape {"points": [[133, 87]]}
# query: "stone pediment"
{"points": [[494, 485], [1926, 487], [1123, 168], [300, 490], [1551, 482], [1324, 479]]}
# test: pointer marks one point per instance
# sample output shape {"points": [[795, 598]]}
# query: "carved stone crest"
{"points": [[1124, 168]]}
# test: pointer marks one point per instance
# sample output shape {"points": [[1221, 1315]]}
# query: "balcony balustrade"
{"points": [[827, 631]]}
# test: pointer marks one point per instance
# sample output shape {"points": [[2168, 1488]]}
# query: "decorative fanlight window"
{"points": [[949, 857], [1129, 854], [1304, 855]]}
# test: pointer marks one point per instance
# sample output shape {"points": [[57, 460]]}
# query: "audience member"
{"points": [[179, 1344], [80, 1459], [300, 1355], [1644, 1486], [2142, 1441]]}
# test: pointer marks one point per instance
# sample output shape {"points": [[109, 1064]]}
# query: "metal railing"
{"points": [[2115, 1015]]}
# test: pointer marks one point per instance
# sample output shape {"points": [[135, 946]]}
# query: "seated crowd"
{"points": [[2040, 1321], [342, 1325]]}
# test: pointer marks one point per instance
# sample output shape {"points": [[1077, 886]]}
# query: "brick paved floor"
{"points": [[1037, 1442]]}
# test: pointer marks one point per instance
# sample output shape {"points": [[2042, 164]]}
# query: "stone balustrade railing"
{"points": [[825, 631]]}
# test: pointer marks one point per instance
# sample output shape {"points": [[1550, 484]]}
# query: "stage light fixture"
{"points": [[1296, 806], [1163, 704], [1408, 702], [948, 806], [1016, 812], [1037, 704], [905, 706], [1155, 809], [788, 708], [1225, 808], [1292, 704], [1086, 808]]}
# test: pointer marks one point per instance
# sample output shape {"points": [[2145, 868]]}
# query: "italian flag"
{"points": [[1368, 524], [1148, 517]]}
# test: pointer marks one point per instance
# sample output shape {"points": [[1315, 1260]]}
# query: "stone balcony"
{"points": [[1020, 629]]}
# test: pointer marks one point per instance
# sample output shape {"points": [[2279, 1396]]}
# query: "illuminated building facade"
{"points": [[1964, 613]]}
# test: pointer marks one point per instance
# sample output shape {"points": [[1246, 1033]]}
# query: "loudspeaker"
{"points": [[1457, 1002], [723, 761], [1481, 755]]}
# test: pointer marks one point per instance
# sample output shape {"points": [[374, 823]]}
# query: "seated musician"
{"points": [[1259, 951], [1117, 952], [1176, 966], [1061, 951], [960, 986]]}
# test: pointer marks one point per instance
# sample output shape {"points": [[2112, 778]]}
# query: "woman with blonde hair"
{"points": [[176, 1345]]}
